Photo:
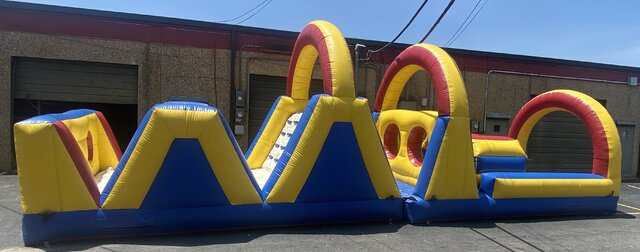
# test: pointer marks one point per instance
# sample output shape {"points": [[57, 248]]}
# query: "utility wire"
{"points": [[433, 27], [243, 14], [402, 31], [463, 23], [465, 28], [258, 11]]}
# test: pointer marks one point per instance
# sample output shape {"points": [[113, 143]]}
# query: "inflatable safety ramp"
{"points": [[474, 176], [183, 170]]}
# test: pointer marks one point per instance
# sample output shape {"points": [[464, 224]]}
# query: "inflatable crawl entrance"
{"points": [[461, 175], [316, 159], [183, 170]]}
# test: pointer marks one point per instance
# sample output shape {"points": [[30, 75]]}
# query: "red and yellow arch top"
{"points": [[607, 154], [447, 80], [320, 39]]}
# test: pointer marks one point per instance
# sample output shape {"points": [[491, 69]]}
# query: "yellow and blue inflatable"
{"points": [[315, 159], [183, 170], [469, 176]]}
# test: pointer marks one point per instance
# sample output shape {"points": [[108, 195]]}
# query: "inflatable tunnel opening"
{"points": [[543, 146], [391, 141], [600, 127], [417, 142]]}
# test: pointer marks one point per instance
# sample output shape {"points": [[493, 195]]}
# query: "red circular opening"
{"points": [[391, 140], [417, 136]]}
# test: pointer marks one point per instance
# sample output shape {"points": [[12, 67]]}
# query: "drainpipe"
{"points": [[240, 65], [242, 105], [486, 85], [357, 64], [486, 95], [232, 78]]}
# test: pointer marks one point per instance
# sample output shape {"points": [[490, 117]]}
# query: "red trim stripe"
{"points": [[311, 35], [580, 109], [417, 55], [55, 23], [79, 160], [89, 146], [112, 138], [490, 137]]}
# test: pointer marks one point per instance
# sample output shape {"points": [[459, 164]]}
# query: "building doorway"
{"points": [[43, 86]]}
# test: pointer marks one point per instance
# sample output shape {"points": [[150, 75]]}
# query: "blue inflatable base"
{"points": [[420, 210], [37, 229], [405, 189]]}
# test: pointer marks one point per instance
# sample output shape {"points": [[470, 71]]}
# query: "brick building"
{"points": [[58, 58]]}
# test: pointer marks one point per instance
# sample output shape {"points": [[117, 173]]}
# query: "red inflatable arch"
{"points": [[335, 62], [447, 81], [600, 125]]}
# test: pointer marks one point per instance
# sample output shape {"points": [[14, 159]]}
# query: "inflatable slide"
{"points": [[464, 175], [315, 160]]}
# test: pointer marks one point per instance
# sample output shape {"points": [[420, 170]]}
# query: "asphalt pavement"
{"points": [[618, 232]]}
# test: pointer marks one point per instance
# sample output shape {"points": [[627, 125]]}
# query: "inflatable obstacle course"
{"points": [[465, 175], [318, 159]]}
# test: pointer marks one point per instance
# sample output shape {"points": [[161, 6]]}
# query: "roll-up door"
{"points": [[43, 86], [75, 81], [559, 142], [263, 91]]}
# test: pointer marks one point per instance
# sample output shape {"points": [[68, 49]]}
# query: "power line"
{"points": [[258, 11], [465, 28], [463, 23], [243, 14], [402, 31], [433, 27]]}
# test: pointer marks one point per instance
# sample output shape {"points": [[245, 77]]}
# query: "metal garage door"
{"points": [[559, 143], [263, 91], [77, 81], [626, 131], [42, 86]]}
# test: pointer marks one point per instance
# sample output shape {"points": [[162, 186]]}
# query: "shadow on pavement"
{"points": [[248, 235], [229, 236]]}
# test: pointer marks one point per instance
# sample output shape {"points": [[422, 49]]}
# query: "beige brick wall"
{"points": [[167, 71], [5, 111], [163, 71]]}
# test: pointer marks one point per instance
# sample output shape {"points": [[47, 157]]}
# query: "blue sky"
{"points": [[595, 31]]}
